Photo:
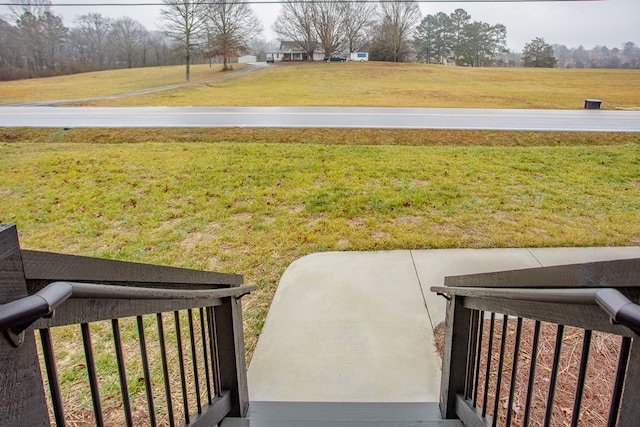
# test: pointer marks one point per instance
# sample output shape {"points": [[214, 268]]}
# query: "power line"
{"points": [[271, 2]]}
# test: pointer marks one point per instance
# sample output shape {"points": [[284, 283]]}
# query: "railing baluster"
{"points": [[213, 338], [165, 369], [616, 396], [183, 380], [503, 341], [514, 370], [204, 353], [582, 373], [478, 358], [145, 370], [472, 350], [488, 368], [194, 359], [52, 375], [122, 372], [91, 372], [532, 373], [554, 376]]}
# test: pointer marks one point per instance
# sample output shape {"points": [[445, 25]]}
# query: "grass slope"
{"points": [[100, 83], [254, 207], [251, 201], [349, 84]]}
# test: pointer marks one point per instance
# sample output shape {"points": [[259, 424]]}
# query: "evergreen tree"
{"points": [[537, 53]]}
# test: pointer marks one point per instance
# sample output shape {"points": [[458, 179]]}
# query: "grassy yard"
{"points": [[88, 85], [349, 84], [254, 207], [251, 201]]}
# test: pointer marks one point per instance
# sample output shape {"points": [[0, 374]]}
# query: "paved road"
{"points": [[322, 117]]}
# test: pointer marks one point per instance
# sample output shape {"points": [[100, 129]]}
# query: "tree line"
{"points": [[390, 31], [331, 27], [34, 42], [598, 57], [218, 28]]}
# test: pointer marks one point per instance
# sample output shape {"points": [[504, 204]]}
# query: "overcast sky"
{"points": [[572, 23]]}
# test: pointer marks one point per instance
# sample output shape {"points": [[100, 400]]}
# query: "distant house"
{"points": [[290, 51]]}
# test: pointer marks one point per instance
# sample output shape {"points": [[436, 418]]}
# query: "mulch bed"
{"points": [[600, 375]]}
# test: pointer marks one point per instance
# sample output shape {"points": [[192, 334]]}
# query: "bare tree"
{"points": [[231, 26], [17, 8], [10, 57], [328, 24], [185, 22], [128, 37], [93, 32], [259, 47], [295, 23], [397, 21], [357, 19], [160, 49]]}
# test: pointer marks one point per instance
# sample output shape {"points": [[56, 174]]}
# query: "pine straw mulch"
{"points": [[600, 375]]}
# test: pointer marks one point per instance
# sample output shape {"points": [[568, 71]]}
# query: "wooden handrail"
{"points": [[18, 315], [82, 290], [620, 309], [47, 267], [595, 296], [618, 274]]}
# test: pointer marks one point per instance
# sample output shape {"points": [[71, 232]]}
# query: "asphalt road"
{"points": [[321, 117]]}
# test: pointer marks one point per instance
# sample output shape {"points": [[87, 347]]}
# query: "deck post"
{"points": [[233, 372], [22, 398], [454, 359], [630, 403]]}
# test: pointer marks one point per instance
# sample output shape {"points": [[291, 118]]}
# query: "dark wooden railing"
{"points": [[198, 381], [487, 378]]}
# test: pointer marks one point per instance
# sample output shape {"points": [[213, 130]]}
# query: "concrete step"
{"points": [[244, 422], [341, 414]]}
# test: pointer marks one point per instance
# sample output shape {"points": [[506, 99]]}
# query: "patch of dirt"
{"points": [[379, 234], [600, 375], [172, 223], [244, 216], [207, 235], [355, 222], [296, 209], [342, 244], [408, 220]]}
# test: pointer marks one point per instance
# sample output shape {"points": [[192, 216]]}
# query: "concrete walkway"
{"points": [[358, 326]]}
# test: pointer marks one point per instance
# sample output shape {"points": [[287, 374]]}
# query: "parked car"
{"points": [[334, 58], [270, 59]]}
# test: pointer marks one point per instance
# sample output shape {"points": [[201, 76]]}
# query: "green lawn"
{"points": [[253, 208], [251, 201]]}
